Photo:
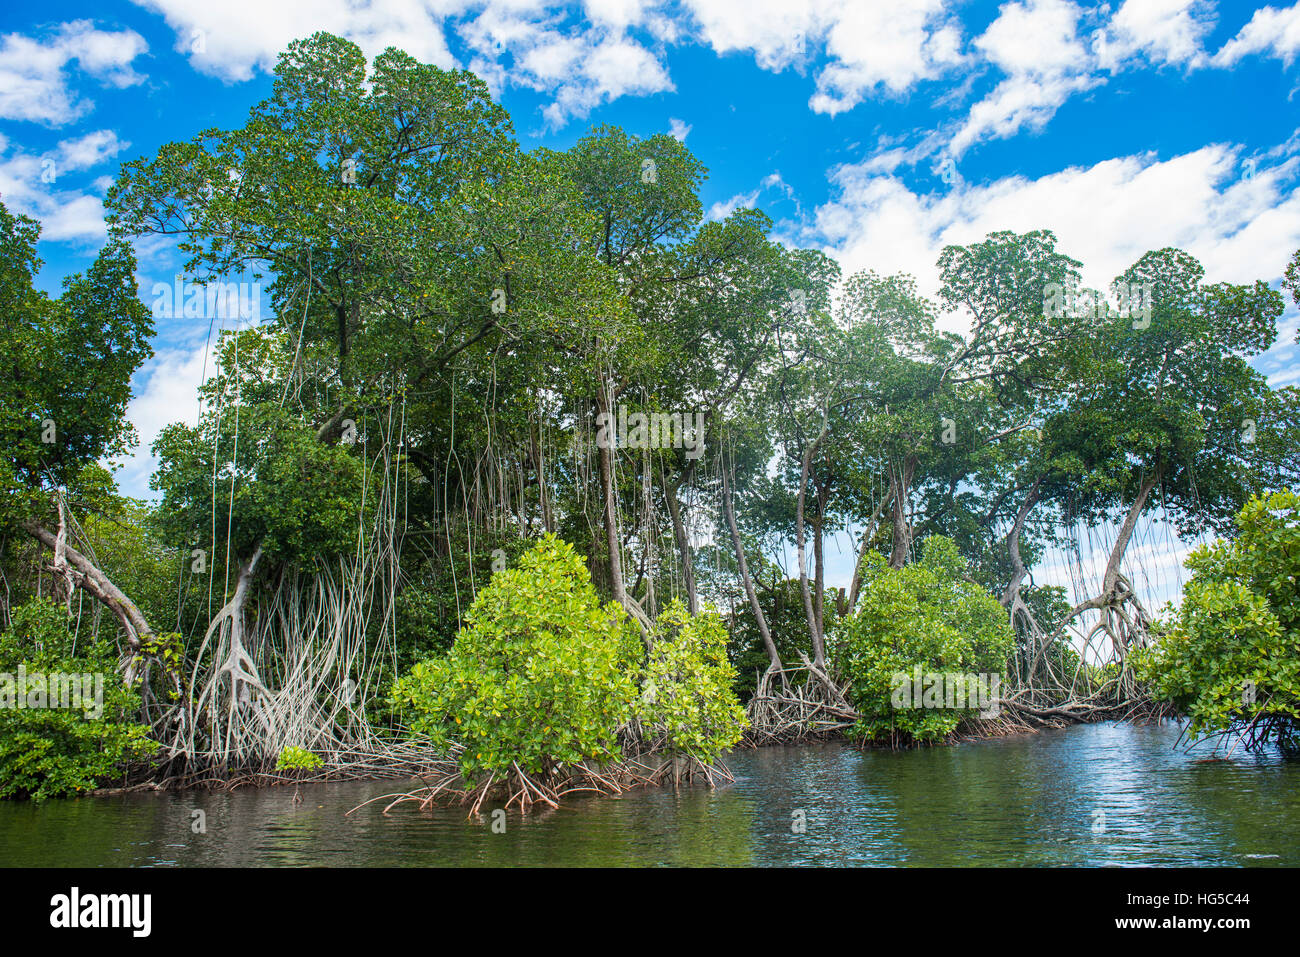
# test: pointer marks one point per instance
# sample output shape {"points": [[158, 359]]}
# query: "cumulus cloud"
{"points": [[236, 38], [725, 208], [529, 43], [1024, 101], [609, 67], [678, 129], [1040, 52], [869, 47], [1270, 32], [166, 391], [617, 14], [35, 80], [579, 65], [29, 184], [1050, 50], [90, 150], [1164, 31], [1106, 215], [1036, 43]]}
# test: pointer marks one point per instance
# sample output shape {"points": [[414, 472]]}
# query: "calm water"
{"points": [[1029, 800]]}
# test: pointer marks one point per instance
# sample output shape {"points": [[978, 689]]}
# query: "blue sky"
{"points": [[879, 131]]}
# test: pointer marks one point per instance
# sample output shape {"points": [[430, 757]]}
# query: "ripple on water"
{"points": [[1106, 794]]}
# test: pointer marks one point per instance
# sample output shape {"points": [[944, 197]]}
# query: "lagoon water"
{"points": [[1104, 794]]}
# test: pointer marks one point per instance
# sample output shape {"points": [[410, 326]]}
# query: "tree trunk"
{"points": [[616, 584], [868, 534], [900, 484], [544, 501], [1018, 571], [98, 584], [819, 652], [1126, 531], [819, 575], [730, 508], [1110, 580], [682, 540]]}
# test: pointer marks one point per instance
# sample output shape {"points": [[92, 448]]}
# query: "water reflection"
{"points": [[1098, 795]]}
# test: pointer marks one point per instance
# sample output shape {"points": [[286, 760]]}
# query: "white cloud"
{"points": [[169, 394], [616, 14], [871, 47], [776, 32], [1165, 31], [29, 184], [34, 77], [1047, 55], [884, 46], [1035, 37], [584, 56], [725, 208], [236, 38], [614, 67], [678, 129], [71, 217], [1270, 31], [1037, 44], [580, 67], [1019, 102], [772, 181], [522, 42], [90, 150], [1106, 215]]}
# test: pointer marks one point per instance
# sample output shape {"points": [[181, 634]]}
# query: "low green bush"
{"points": [[544, 675], [688, 698], [1229, 659], [539, 675], [925, 618], [294, 758], [51, 751]]}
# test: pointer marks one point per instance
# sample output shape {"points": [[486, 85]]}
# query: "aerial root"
{"points": [[784, 710], [517, 788]]}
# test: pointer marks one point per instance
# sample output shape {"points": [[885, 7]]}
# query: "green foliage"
{"points": [[288, 491], [439, 587], [687, 698], [1291, 280], [1230, 659], [67, 363], [294, 758], [48, 751], [559, 280], [929, 615], [538, 676]]}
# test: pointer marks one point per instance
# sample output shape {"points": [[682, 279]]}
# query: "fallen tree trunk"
{"points": [[90, 577]]}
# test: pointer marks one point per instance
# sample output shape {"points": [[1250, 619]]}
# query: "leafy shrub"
{"points": [[294, 758], [1230, 658], [540, 675], [687, 696], [48, 751], [926, 615]]}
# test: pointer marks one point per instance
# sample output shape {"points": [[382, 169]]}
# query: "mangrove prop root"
{"points": [[796, 703], [801, 703], [516, 788]]}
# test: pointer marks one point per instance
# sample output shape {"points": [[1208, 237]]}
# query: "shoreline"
{"points": [[992, 729]]}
